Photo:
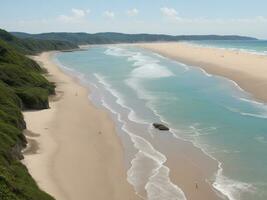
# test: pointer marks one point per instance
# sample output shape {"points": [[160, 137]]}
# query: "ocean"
{"points": [[251, 46], [139, 87]]}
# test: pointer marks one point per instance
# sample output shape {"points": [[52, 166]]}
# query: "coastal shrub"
{"points": [[10, 105], [17, 76], [33, 97], [21, 86], [33, 46], [15, 181], [9, 55], [17, 184]]}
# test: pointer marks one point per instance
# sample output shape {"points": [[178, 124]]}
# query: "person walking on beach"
{"points": [[196, 185]]}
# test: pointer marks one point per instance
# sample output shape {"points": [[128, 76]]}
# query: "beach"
{"points": [[162, 100], [188, 165], [247, 70], [74, 151]]}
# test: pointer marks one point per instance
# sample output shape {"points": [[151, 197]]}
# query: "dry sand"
{"points": [[79, 156], [75, 162], [249, 71]]}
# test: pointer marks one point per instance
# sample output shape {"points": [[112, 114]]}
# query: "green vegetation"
{"points": [[10, 56], [33, 46], [110, 37], [24, 76], [22, 86], [15, 181], [74, 38], [33, 97]]}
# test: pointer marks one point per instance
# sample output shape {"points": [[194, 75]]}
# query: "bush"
{"points": [[21, 86], [15, 181], [10, 105], [33, 97]]}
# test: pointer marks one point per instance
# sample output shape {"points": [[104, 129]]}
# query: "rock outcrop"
{"points": [[161, 127]]}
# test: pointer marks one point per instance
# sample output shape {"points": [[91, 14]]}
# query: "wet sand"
{"points": [[82, 162], [248, 70], [74, 152]]}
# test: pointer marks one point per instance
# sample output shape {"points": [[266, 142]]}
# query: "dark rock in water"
{"points": [[161, 127]]}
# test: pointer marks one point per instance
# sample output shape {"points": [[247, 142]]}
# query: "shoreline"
{"points": [[75, 152], [237, 67], [190, 166], [234, 66], [196, 167]]}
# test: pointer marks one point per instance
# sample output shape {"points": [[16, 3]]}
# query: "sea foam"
{"points": [[231, 188], [158, 175], [157, 183], [151, 71]]}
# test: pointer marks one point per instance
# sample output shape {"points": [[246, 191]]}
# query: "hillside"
{"points": [[22, 86], [75, 38], [33, 46], [110, 37]]}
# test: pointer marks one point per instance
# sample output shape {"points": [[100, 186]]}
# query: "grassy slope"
{"points": [[33, 46], [15, 181], [75, 38], [22, 86], [111, 37]]}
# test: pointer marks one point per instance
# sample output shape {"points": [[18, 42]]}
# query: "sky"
{"points": [[175, 17]]}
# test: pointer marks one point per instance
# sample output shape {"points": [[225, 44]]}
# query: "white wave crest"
{"points": [[261, 139], [159, 185], [204, 72], [117, 51], [233, 189], [262, 115], [151, 71], [119, 100], [164, 190], [157, 178], [251, 101], [139, 59]]}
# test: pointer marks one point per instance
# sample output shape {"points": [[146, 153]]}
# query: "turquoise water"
{"points": [[252, 46], [140, 87]]}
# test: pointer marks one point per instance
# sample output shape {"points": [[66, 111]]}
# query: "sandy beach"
{"points": [[248, 70], [74, 152]]}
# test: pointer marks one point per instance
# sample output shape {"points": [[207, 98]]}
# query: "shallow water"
{"points": [[140, 87], [252, 46]]}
